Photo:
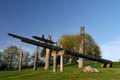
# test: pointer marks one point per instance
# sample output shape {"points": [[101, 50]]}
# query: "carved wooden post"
{"points": [[61, 61], [47, 59], [20, 59], [103, 65], [81, 50], [55, 61], [108, 65], [36, 58]]}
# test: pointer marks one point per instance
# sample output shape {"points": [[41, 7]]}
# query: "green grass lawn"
{"points": [[71, 72]]}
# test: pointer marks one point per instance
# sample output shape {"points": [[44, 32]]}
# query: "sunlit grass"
{"points": [[71, 72]]}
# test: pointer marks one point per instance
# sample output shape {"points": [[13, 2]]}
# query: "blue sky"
{"points": [[101, 19]]}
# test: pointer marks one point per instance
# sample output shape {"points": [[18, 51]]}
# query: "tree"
{"points": [[91, 48], [1, 55], [72, 42], [26, 58], [3, 65], [43, 52], [1, 58], [11, 57]]}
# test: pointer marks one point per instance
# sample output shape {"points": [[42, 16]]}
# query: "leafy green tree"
{"points": [[91, 47], [72, 42], [11, 56]]}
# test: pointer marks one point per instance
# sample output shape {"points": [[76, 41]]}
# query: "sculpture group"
{"points": [[54, 50]]}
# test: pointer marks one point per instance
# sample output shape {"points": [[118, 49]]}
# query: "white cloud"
{"points": [[111, 50]]}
